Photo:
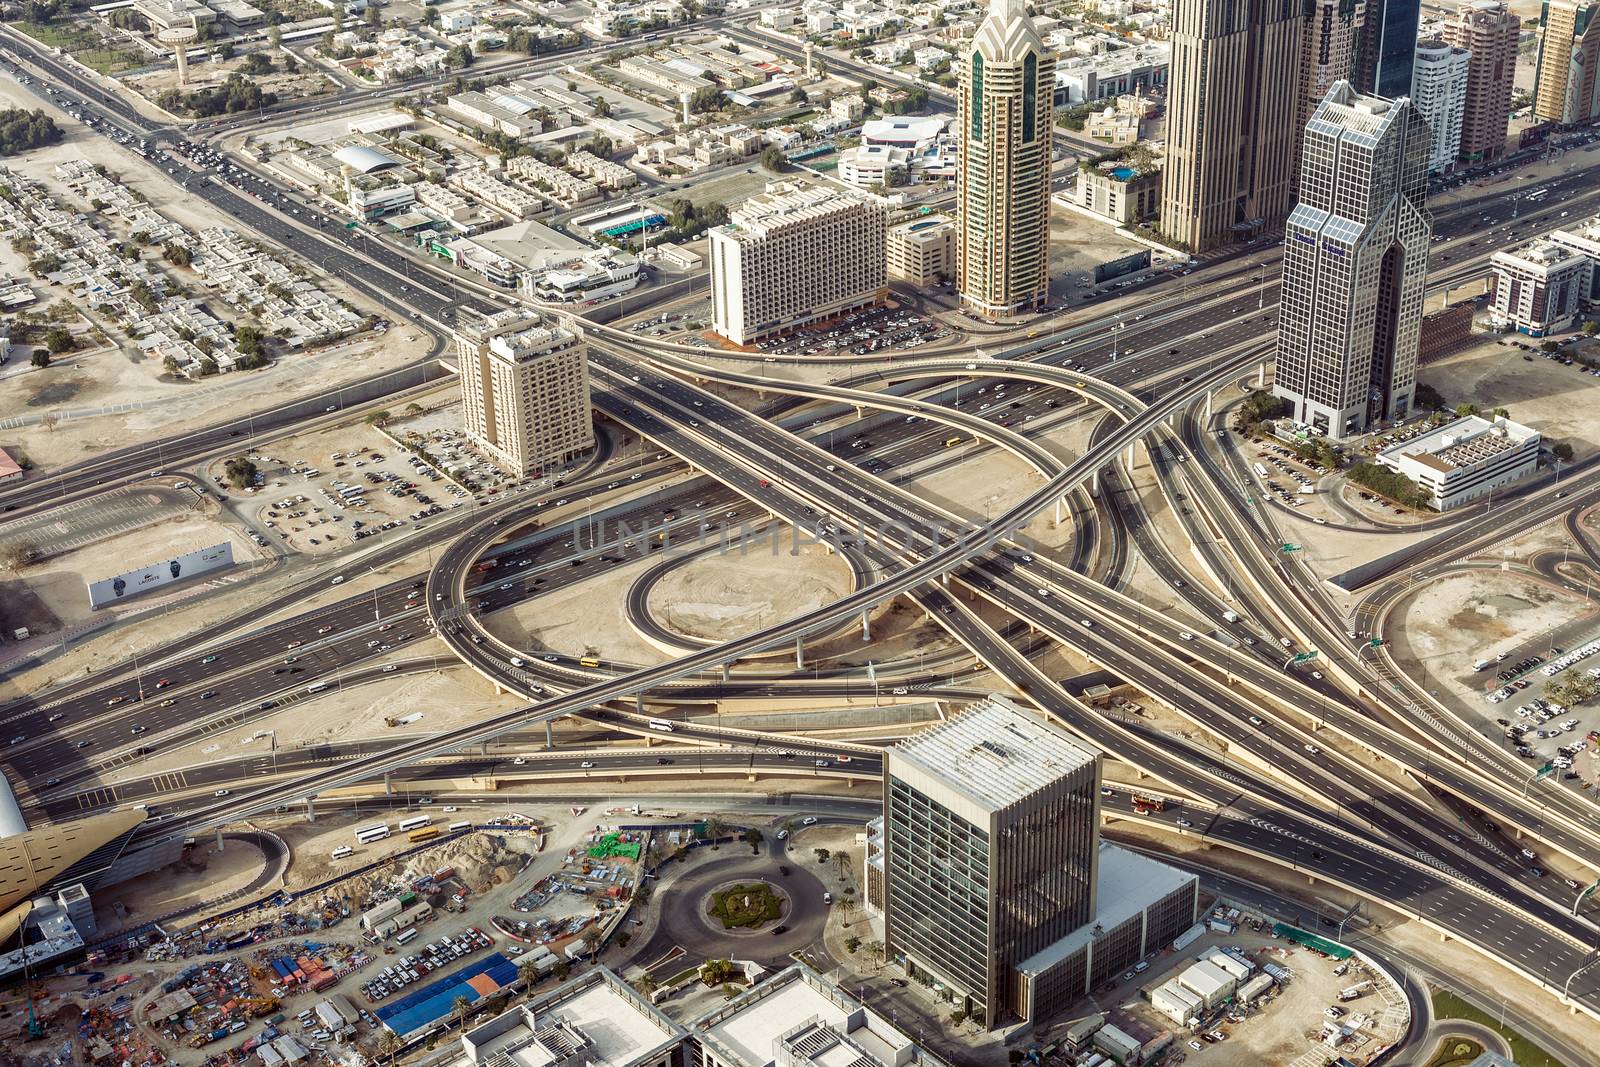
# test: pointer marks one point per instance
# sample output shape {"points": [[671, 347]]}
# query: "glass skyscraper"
{"points": [[990, 850], [1388, 47]]}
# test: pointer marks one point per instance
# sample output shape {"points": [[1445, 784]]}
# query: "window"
{"points": [[1030, 87], [975, 104]]}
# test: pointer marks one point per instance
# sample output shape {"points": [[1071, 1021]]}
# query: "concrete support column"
{"points": [[866, 626], [725, 672], [549, 735], [388, 785], [1094, 484], [311, 809], [799, 652], [638, 702], [1130, 462], [1208, 404], [1060, 500], [1261, 375], [219, 839]]}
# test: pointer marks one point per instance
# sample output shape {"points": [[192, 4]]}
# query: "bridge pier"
{"points": [[1261, 375], [549, 735], [866, 627], [1060, 500], [219, 839], [1130, 462], [725, 672], [388, 786], [1208, 405], [638, 702], [1094, 484], [799, 653], [311, 809]]}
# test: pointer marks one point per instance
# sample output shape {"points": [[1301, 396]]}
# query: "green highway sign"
{"points": [[1288, 546], [1375, 642], [1544, 772], [1304, 657]]}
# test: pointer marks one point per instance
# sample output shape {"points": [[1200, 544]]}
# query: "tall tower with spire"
{"points": [[1006, 116]]}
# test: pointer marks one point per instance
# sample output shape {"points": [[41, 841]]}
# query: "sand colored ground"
{"points": [[1449, 623], [725, 596], [310, 80], [122, 375], [585, 618], [203, 874], [1560, 402]]}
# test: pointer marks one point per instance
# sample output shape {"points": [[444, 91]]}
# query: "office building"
{"points": [[1564, 90], [1539, 288], [524, 389], [1330, 42], [795, 254], [1232, 102], [1355, 264], [1583, 237], [1489, 32], [1118, 192], [1388, 42], [797, 1018], [1439, 93], [1005, 123], [922, 251], [1465, 459], [990, 823]]}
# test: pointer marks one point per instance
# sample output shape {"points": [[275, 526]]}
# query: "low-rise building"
{"points": [[1584, 239], [1465, 459], [602, 172], [922, 251], [567, 188], [1111, 73], [1113, 126], [1118, 192], [1538, 287], [483, 110], [501, 195], [867, 165], [590, 277], [597, 1020]]}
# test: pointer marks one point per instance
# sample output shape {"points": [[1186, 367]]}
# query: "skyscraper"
{"points": [[990, 849], [1439, 92], [1388, 42], [1232, 101], [1564, 88], [1490, 33], [1355, 264], [1005, 118], [1330, 43], [524, 389]]}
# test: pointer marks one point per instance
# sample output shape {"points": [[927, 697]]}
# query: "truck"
{"points": [[1482, 664], [1355, 991], [1230, 616]]}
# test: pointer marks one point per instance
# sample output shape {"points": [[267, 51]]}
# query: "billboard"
{"points": [[1118, 267], [133, 583]]}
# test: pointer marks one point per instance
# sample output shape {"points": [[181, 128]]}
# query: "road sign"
{"points": [[1375, 642], [1304, 657], [1288, 546], [1544, 772]]}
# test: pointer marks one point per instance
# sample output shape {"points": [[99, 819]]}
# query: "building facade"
{"points": [[1005, 126], [1584, 238], [1330, 44], [1388, 42], [793, 255], [922, 251], [1489, 33], [524, 389], [1439, 93], [1539, 288], [989, 850], [1355, 265], [1465, 459], [1564, 88], [1118, 193], [1232, 102]]}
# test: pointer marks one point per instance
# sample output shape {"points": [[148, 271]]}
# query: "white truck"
{"points": [[1355, 991], [1230, 616]]}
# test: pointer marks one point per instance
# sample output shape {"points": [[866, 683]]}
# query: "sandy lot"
{"points": [[1447, 624], [724, 596], [83, 386], [202, 874], [1560, 402]]}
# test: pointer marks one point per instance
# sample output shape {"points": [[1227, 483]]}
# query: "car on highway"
{"points": [[208, 694], [222, 792], [163, 683], [587, 765], [57, 716], [809, 820], [114, 701], [1312, 749], [209, 659], [391, 667]]}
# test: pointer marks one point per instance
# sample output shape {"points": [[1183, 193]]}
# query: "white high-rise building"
{"points": [[1355, 264], [796, 254], [1439, 92], [1005, 125], [524, 389]]}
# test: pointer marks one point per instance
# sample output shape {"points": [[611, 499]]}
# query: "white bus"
{"points": [[455, 826], [405, 935], [342, 851], [317, 688], [661, 724], [414, 822], [370, 834]]}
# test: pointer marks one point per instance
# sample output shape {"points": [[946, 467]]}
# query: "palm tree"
{"points": [[461, 1004], [388, 1044]]}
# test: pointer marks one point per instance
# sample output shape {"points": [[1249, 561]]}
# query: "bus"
{"points": [[1261, 472], [371, 834], [951, 442], [456, 827], [661, 724], [423, 835], [414, 822], [408, 934], [1144, 805], [342, 851], [317, 687], [588, 661]]}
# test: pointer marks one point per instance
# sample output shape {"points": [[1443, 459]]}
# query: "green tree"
{"points": [[753, 838], [461, 1005], [41, 358], [1562, 451], [240, 472], [562, 970], [591, 941], [602, 107], [58, 339], [958, 1017], [275, 36], [176, 254], [773, 160], [705, 99], [22, 130], [821, 854], [1463, 410], [1590, 328]]}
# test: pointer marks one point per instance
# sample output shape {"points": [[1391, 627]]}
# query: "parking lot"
{"points": [[323, 491]]}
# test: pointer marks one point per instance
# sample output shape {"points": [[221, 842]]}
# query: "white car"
{"points": [[1185, 635]]}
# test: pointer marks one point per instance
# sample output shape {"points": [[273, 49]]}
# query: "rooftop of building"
{"points": [[808, 1019], [364, 158], [597, 1020], [1545, 253], [902, 130], [1587, 230], [1126, 884], [994, 752], [1347, 112], [787, 203], [1462, 442]]}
